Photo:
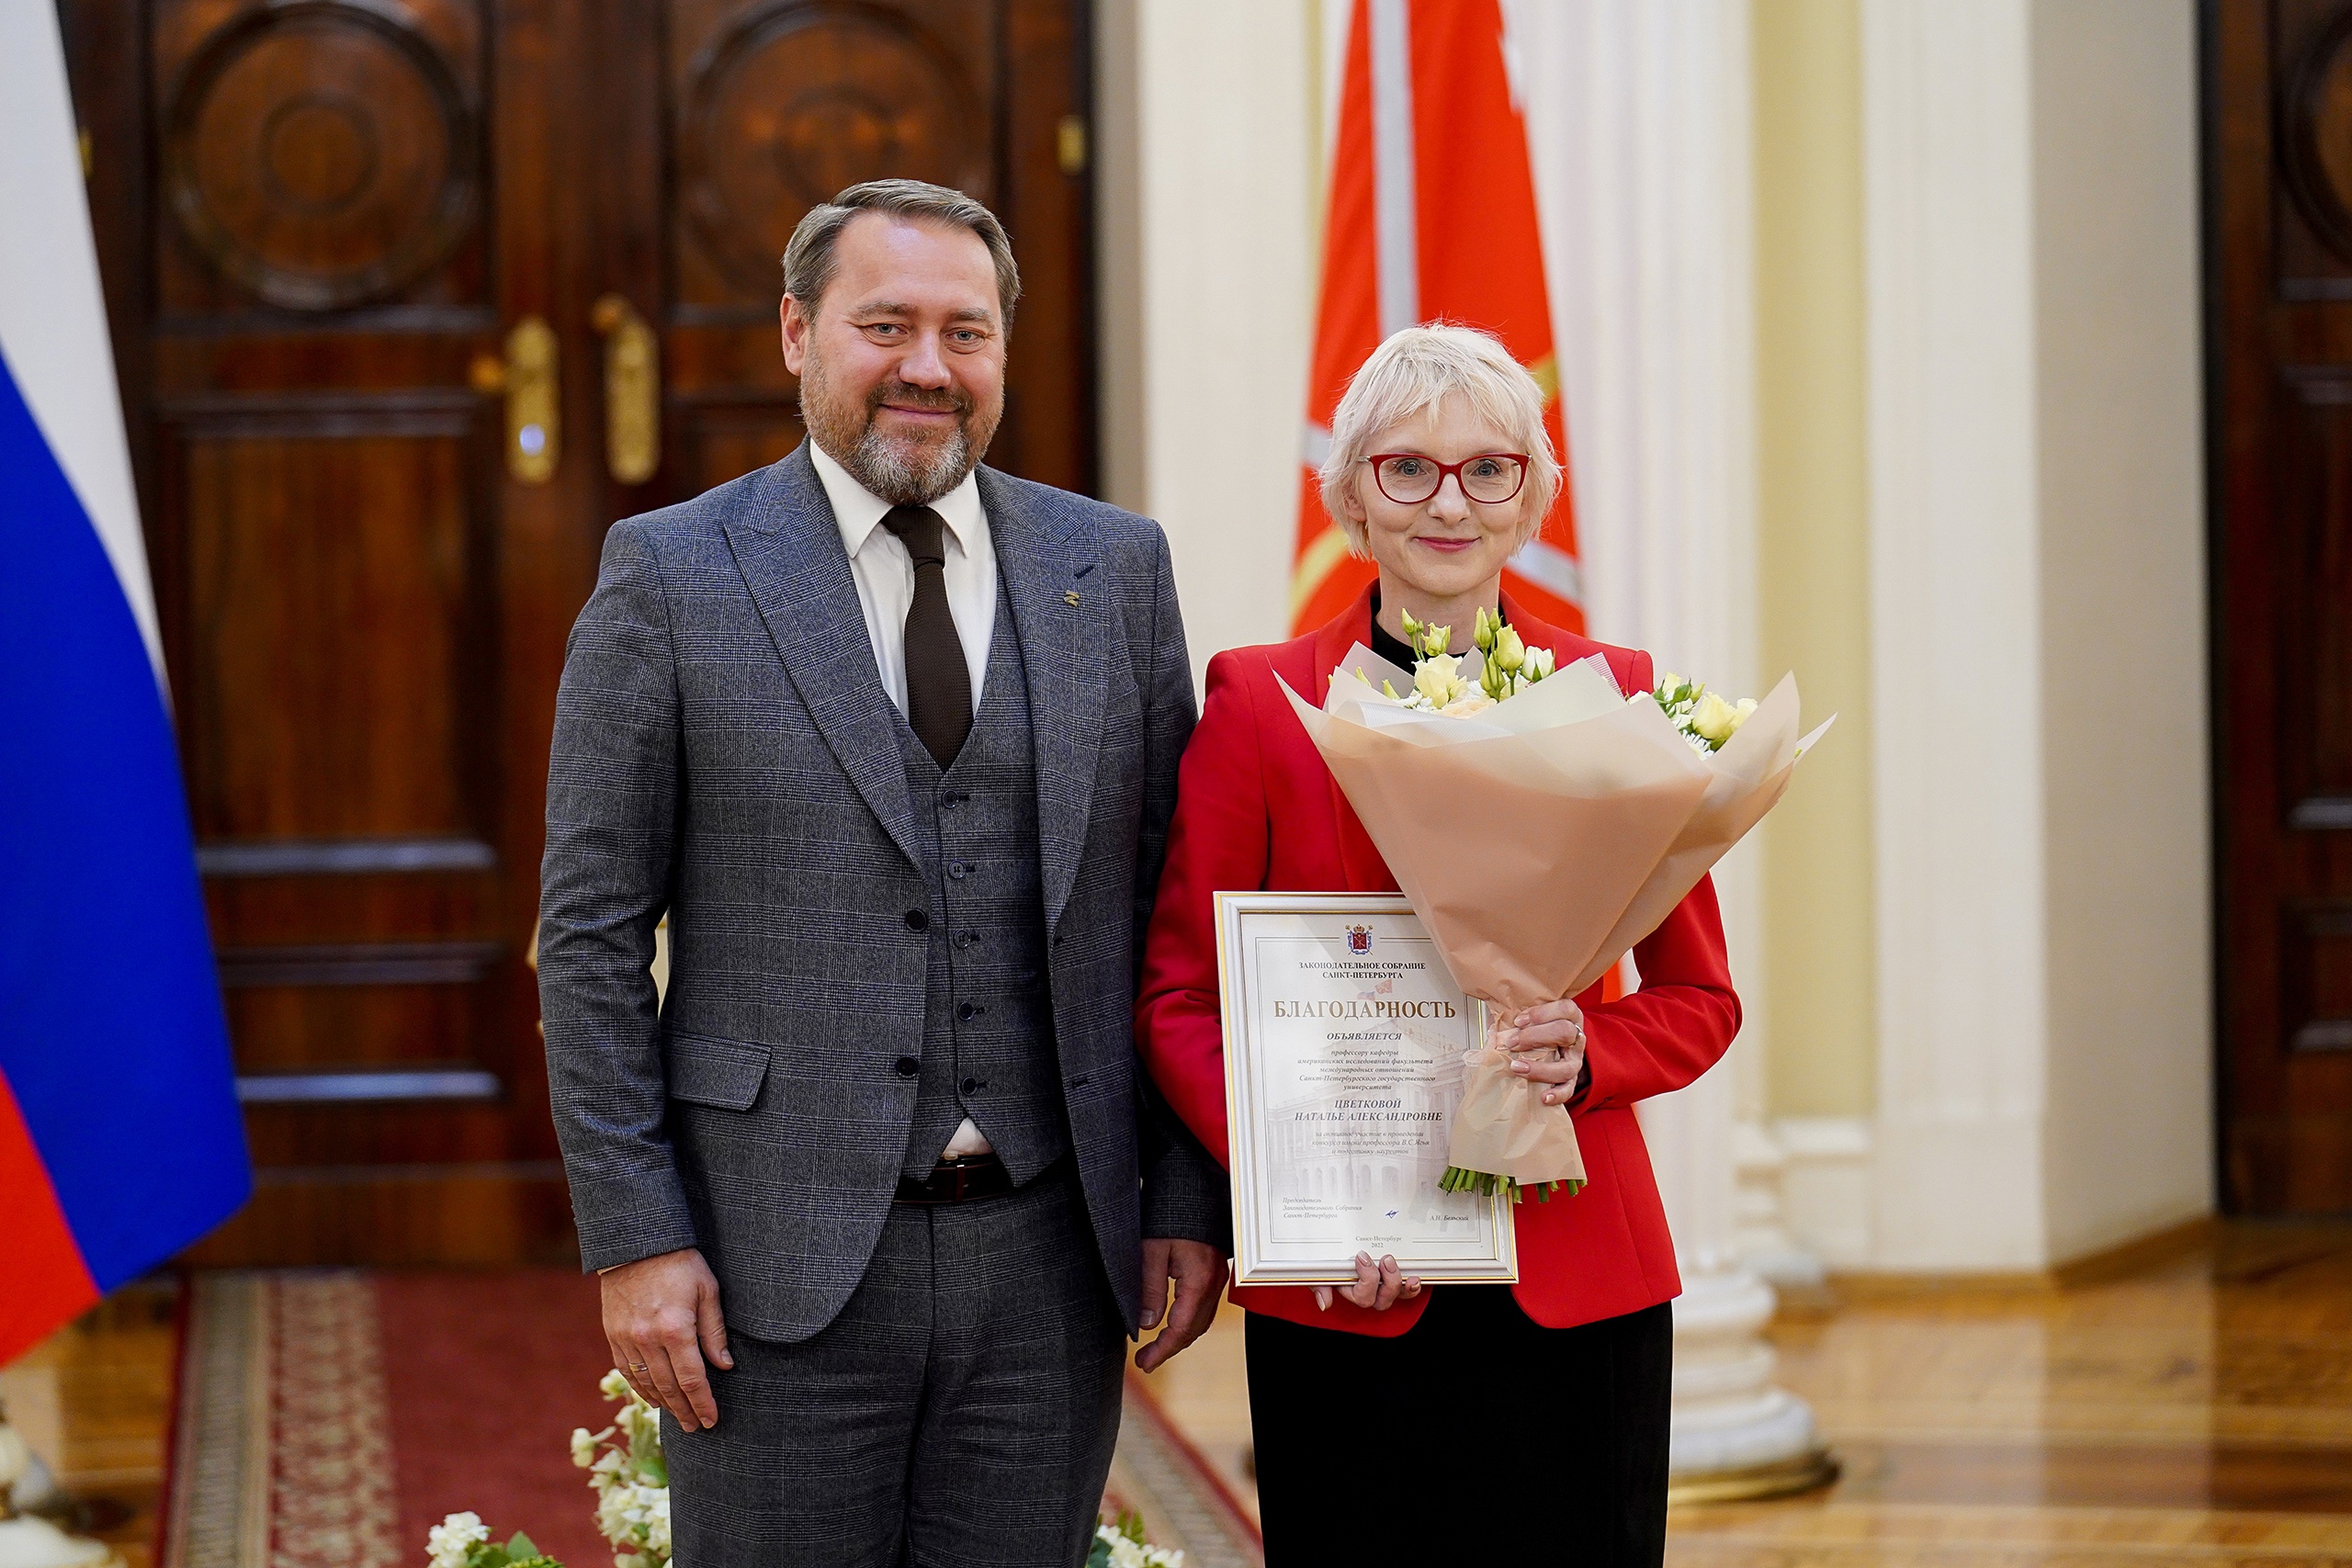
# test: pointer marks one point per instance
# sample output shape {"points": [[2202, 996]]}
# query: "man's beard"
{"points": [[909, 469]]}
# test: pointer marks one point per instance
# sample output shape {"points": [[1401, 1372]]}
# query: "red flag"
{"points": [[1432, 217]]}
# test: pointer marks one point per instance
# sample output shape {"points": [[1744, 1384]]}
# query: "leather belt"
{"points": [[957, 1182]]}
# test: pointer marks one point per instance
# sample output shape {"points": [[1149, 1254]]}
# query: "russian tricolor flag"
{"points": [[121, 1141]]}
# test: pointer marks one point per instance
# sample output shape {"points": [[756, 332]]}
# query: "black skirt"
{"points": [[1476, 1436]]}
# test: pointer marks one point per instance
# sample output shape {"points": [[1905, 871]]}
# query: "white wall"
{"points": [[1209, 197], [2036, 536], [2126, 840]]}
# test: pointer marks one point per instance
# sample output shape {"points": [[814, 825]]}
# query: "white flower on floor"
{"points": [[1121, 1546], [657, 1521], [640, 1426], [631, 1479], [453, 1537]]}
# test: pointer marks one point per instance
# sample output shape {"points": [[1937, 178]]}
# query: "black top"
{"points": [[1384, 643]]}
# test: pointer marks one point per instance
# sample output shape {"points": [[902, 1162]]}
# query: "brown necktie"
{"points": [[939, 683]]}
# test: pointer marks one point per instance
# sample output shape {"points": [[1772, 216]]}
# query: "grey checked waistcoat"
{"points": [[988, 1045]]}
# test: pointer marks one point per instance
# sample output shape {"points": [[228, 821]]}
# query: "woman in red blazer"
{"points": [[1384, 1415]]}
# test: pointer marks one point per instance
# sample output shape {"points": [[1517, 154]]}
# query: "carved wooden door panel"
{"points": [[2280, 227], [411, 299], [746, 113]]}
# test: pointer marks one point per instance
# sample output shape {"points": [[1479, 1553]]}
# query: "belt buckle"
{"points": [[960, 1176]]}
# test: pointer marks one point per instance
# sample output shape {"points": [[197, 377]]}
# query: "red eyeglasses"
{"points": [[1409, 479]]}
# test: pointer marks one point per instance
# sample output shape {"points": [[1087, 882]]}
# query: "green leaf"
{"points": [[520, 1546]]}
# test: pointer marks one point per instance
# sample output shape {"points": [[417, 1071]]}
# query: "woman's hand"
{"points": [[1378, 1286], [1533, 1033]]}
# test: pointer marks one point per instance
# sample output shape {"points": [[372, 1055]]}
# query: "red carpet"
{"points": [[329, 1419], [486, 1377]]}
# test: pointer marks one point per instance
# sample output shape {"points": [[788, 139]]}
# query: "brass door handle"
{"points": [[632, 390], [527, 377]]}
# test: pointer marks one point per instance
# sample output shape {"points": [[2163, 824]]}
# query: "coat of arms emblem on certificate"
{"points": [[1344, 1040]]}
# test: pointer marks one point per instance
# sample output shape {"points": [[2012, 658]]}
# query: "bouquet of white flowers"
{"points": [[631, 1478], [1586, 816]]}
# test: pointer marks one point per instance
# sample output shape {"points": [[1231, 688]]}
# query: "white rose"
{"points": [[1439, 679], [1739, 715], [1536, 664], [1510, 651], [1713, 718]]}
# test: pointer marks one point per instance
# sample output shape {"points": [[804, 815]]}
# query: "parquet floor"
{"points": [[95, 1402], [2196, 1413], [2200, 1412]]}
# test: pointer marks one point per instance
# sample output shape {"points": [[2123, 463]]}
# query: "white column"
{"points": [[1949, 204], [1638, 121]]}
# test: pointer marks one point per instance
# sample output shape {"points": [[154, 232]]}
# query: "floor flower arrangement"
{"points": [[462, 1541], [1122, 1545], [631, 1480]]}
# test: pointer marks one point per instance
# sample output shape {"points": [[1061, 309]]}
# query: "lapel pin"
{"points": [[1070, 596]]}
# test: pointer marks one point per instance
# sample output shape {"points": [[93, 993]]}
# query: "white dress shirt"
{"points": [[885, 574]]}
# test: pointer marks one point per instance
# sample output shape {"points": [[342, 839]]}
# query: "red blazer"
{"points": [[1257, 810]]}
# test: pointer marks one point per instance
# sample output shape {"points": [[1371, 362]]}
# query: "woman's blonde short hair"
{"points": [[1419, 367]]}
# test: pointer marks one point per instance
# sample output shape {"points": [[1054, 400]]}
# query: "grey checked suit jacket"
{"points": [[724, 752]]}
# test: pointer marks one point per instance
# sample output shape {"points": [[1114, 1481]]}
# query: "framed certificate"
{"points": [[1344, 1035]]}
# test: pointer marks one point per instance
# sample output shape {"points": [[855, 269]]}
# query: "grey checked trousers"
{"points": [[961, 1410]]}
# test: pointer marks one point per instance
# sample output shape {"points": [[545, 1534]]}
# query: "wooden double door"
{"points": [[411, 299], [2279, 157]]}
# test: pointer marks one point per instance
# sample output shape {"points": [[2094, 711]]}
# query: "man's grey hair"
{"points": [[808, 259], [1418, 368]]}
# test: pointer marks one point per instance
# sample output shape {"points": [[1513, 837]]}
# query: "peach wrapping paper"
{"points": [[1538, 840]]}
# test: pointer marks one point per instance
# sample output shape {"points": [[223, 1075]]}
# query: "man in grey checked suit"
{"points": [[879, 1194]]}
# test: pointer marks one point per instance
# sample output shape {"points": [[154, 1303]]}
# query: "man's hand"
{"points": [[1198, 1272], [660, 1321]]}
